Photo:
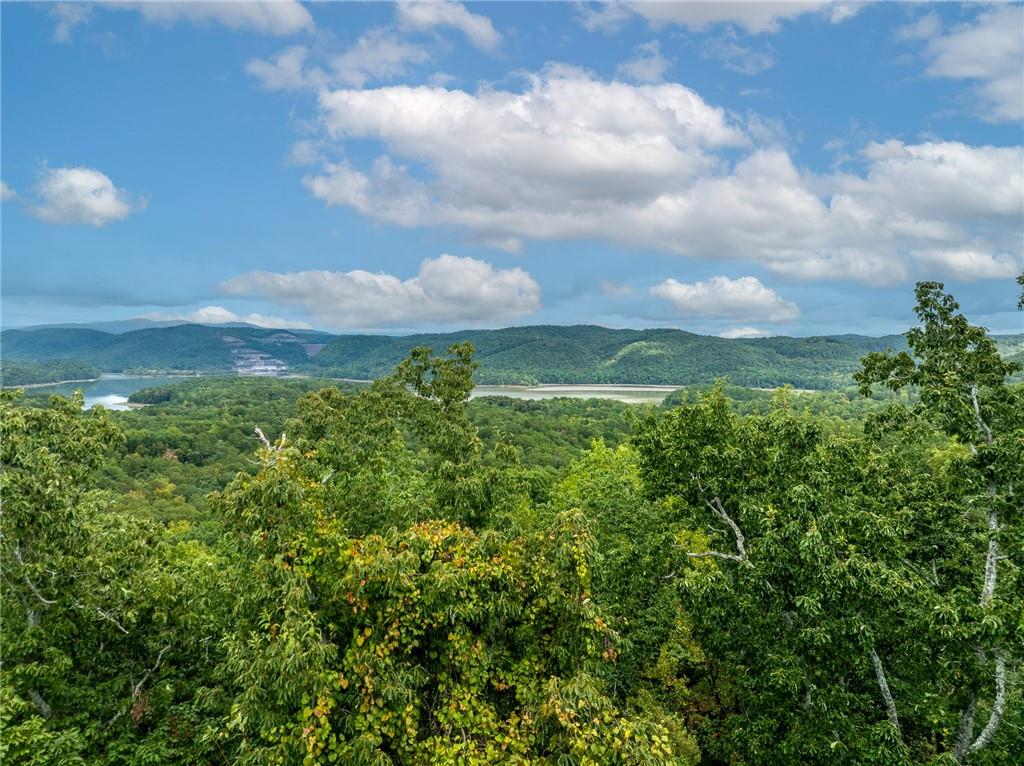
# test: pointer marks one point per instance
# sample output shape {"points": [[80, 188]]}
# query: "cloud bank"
{"points": [[447, 289], [572, 157], [722, 297]]}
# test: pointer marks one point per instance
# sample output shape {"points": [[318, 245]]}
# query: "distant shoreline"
{"points": [[51, 383]]}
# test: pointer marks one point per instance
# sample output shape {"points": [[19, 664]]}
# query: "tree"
{"points": [[779, 516], [963, 389], [110, 623], [430, 643]]}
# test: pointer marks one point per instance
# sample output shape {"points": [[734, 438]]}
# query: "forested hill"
{"points": [[201, 348], [591, 354], [524, 355]]}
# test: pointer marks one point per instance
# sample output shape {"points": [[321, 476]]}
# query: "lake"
{"points": [[112, 390], [620, 393]]}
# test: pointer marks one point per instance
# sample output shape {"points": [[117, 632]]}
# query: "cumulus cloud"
{"points": [[270, 17], [987, 52], [565, 138], [722, 297], [648, 65], [221, 315], [970, 265], [429, 15], [737, 57], [446, 289], [744, 332], [754, 17], [7, 194], [573, 157], [286, 71], [82, 195], [377, 55], [921, 28], [66, 17]]}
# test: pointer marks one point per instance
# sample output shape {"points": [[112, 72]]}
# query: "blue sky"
{"points": [[728, 168]]}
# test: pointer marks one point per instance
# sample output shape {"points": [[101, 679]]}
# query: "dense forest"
{"points": [[515, 355], [263, 571], [14, 373]]}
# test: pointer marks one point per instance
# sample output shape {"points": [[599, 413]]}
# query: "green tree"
{"points": [[964, 392]]}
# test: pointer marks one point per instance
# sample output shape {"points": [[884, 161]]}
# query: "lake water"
{"points": [[628, 394], [112, 391]]}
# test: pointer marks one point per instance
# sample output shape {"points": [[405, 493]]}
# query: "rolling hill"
{"points": [[202, 348], [515, 355]]}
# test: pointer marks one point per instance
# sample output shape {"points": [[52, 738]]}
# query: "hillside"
{"points": [[589, 354], [182, 347], [515, 355]]}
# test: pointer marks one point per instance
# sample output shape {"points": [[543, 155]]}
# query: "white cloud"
{"points": [[736, 57], [744, 332], [606, 17], [429, 15], [990, 53], [970, 265], [377, 55], [270, 17], [648, 65], [571, 157], [617, 289], [221, 315], [304, 152], [82, 196], [744, 298], [754, 17], [286, 71], [7, 194], [67, 16], [564, 139], [446, 289], [921, 28]]}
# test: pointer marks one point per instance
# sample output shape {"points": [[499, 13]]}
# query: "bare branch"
{"points": [[740, 540], [989, 588], [966, 730], [263, 437], [998, 705], [883, 685], [137, 688], [28, 582], [716, 554], [41, 705], [978, 420], [108, 617]]}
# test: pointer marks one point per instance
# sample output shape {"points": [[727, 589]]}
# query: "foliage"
{"points": [[30, 373], [404, 576]]}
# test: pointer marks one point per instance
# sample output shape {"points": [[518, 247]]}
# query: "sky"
{"points": [[735, 169]]}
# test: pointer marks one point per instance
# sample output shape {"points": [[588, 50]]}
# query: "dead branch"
{"points": [[883, 685]]}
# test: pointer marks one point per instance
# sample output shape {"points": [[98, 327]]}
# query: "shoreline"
{"points": [[52, 383]]}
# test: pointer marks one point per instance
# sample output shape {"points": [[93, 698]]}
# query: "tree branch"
{"points": [[998, 705], [989, 588], [137, 688], [41, 705], [978, 420], [28, 582], [883, 685], [719, 509]]}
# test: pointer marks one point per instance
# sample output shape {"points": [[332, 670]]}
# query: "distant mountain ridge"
{"points": [[514, 355]]}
